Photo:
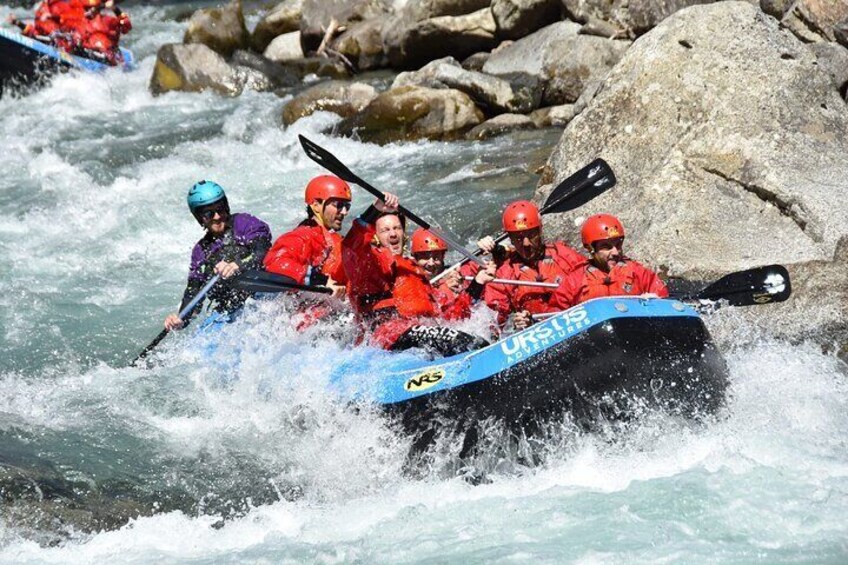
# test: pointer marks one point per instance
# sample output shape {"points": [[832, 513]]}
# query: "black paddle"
{"points": [[332, 164], [589, 182], [262, 281], [182, 315], [760, 285]]}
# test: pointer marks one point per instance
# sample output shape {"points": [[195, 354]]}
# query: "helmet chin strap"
{"points": [[318, 210]]}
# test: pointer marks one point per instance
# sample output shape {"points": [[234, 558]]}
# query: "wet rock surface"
{"points": [[342, 98], [221, 29]]}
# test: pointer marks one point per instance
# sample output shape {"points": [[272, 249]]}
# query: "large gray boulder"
{"points": [[493, 94], [220, 29], [500, 125], [569, 64], [192, 68], [280, 76], [730, 150], [517, 18], [635, 16], [340, 97], [283, 18], [414, 112], [285, 47], [526, 55]]}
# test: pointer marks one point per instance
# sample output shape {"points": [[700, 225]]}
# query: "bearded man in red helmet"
{"points": [[395, 304], [609, 272], [312, 252], [531, 260]]}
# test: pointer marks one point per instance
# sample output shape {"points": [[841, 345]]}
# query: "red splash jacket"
{"points": [[308, 249], [627, 278], [557, 262]]}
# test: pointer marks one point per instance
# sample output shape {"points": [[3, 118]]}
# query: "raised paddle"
{"points": [[332, 164], [752, 287], [589, 182], [262, 281], [182, 315]]}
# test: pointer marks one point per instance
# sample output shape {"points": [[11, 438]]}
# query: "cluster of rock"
{"points": [[484, 67]]}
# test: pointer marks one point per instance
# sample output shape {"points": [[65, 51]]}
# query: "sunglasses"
{"points": [[339, 204], [206, 214]]}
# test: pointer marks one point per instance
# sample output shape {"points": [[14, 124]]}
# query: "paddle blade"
{"points": [[762, 285], [328, 160], [589, 182]]}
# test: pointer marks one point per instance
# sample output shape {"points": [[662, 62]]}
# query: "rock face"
{"points": [[278, 75], [221, 29], [192, 68], [491, 93], [636, 16], [414, 112], [340, 97], [517, 18], [283, 18], [730, 150]]}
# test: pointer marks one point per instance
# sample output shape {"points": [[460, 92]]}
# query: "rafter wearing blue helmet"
{"points": [[232, 243]]}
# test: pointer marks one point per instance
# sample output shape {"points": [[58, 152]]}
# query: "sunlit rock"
{"points": [[221, 29], [339, 97]]}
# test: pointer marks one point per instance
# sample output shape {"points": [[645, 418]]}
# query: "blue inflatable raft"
{"points": [[608, 354], [24, 61]]}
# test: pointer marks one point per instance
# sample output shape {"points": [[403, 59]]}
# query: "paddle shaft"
{"points": [[182, 315], [519, 283]]}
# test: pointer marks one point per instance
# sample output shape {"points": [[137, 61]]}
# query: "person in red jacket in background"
{"points": [[58, 22], [609, 272], [312, 252], [101, 32], [531, 260], [391, 294]]}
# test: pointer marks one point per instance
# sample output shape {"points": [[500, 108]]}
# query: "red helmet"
{"points": [[599, 227], [521, 215], [325, 187], [423, 241]]}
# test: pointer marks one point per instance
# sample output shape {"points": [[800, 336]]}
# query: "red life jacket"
{"points": [[557, 262], [309, 245], [627, 278]]}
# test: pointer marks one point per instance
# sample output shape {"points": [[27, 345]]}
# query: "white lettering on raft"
{"points": [[544, 334]]}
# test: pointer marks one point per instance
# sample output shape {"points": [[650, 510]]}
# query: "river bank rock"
{"points": [[280, 76], [413, 112], [569, 64], [553, 116], [500, 125], [527, 54], [340, 97], [193, 68], [317, 16], [517, 18], [285, 47], [491, 93], [410, 42], [362, 44], [634, 16], [221, 29], [810, 20], [283, 18], [728, 143]]}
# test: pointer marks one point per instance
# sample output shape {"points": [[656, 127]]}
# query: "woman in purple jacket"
{"points": [[233, 242]]}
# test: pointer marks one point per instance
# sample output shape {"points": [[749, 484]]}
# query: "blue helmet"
{"points": [[204, 193]]}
